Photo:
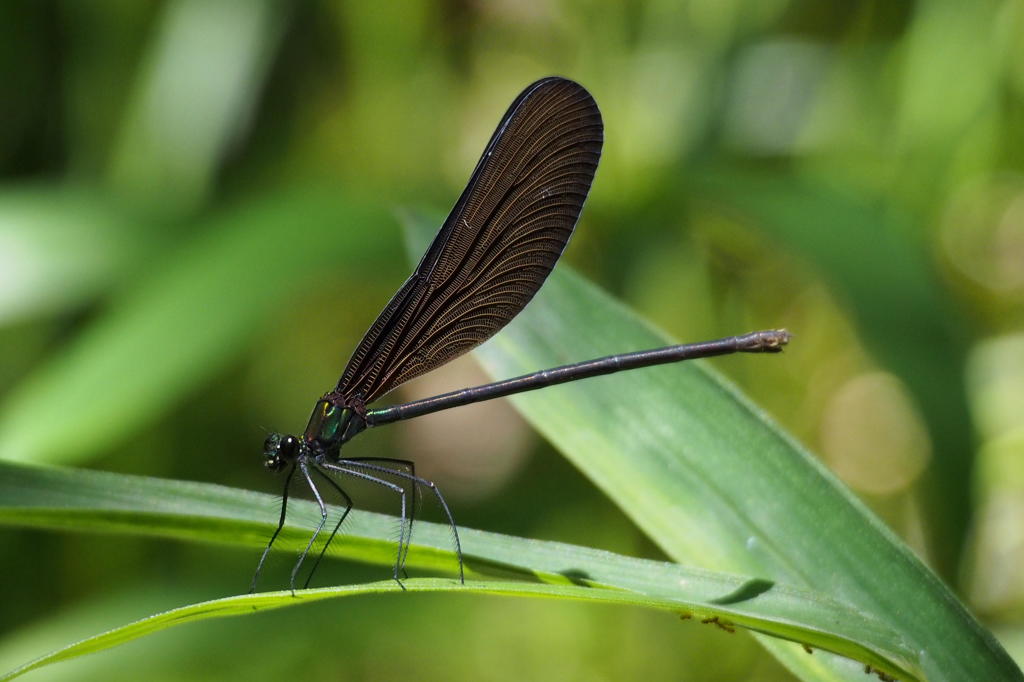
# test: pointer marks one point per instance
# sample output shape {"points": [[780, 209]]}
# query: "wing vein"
{"points": [[497, 246]]}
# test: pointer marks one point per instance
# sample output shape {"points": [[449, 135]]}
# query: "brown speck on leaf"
{"points": [[721, 624]]}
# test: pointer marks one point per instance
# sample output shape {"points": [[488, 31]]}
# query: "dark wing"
{"points": [[496, 247]]}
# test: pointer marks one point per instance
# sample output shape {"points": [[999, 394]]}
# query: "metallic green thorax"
{"points": [[330, 425]]}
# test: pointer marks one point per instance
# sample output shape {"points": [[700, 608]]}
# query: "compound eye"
{"points": [[276, 454], [289, 447]]}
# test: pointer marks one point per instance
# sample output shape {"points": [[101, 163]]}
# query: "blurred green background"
{"points": [[853, 172]]}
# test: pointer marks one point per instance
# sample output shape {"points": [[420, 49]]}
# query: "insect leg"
{"points": [[323, 519], [412, 507], [277, 531], [363, 463], [348, 508], [338, 467]]}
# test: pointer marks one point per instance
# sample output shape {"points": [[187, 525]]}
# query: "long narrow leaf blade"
{"points": [[96, 501], [716, 483]]}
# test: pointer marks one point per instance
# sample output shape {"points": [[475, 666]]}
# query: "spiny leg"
{"points": [[412, 507], [277, 531], [320, 527], [387, 484], [405, 529], [348, 508], [437, 492]]}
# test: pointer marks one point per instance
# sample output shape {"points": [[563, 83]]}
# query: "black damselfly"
{"points": [[491, 255]]}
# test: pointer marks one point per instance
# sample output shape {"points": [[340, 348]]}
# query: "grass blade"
{"points": [[716, 483], [498, 564]]}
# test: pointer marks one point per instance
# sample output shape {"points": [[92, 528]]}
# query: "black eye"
{"points": [[289, 447], [279, 450]]}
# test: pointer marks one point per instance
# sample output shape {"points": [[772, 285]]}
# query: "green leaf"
{"points": [[715, 483], [169, 148], [97, 501], [59, 247], [874, 257], [705, 474]]}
